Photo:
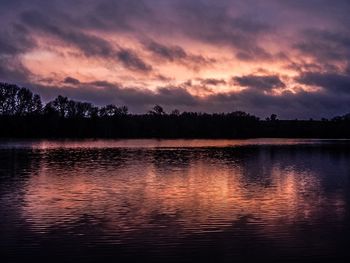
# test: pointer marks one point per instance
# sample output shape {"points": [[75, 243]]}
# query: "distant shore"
{"points": [[185, 126], [24, 115]]}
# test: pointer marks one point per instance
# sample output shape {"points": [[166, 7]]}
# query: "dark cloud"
{"points": [[336, 12], [163, 78], [213, 82], [332, 82], [253, 53], [171, 53], [259, 82], [90, 45], [120, 14], [325, 46], [14, 42], [183, 97], [103, 84], [177, 54], [12, 70], [242, 26], [305, 67], [70, 80], [347, 69], [102, 92], [213, 23], [287, 105], [131, 60]]}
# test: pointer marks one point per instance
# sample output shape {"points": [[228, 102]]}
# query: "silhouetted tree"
{"points": [[273, 117], [175, 112], [124, 110], [18, 101], [37, 105], [113, 111], [8, 99], [108, 111], [61, 106], [71, 111], [157, 110], [83, 110], [50, 110]]}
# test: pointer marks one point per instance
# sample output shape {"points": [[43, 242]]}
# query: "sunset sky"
{"points": [[289, 57]]}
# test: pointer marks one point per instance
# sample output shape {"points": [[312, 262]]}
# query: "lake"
{"points": [[276, 200]]}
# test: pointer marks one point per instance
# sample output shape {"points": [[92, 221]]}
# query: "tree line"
{"points": [[16, 101], [23, 114]]}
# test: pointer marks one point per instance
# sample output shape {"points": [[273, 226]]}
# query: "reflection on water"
{"points": [[281, 198]]}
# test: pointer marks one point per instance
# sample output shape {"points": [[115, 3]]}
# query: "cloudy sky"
{"points": [[289, 57]]}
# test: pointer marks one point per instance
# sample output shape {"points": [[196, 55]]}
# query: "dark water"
{"points": [[223, 201]]}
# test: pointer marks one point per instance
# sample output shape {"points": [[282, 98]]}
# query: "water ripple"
{"points": [[173, 200]]}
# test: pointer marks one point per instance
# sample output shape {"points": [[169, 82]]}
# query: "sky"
{"points": [[290, 57]]}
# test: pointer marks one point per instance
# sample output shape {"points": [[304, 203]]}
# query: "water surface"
{"points": [[175, 200]]}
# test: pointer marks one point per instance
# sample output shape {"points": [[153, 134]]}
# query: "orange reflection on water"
{"points": [[205, 194], [154, 143]]}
